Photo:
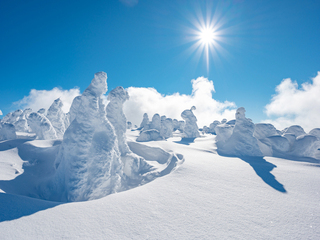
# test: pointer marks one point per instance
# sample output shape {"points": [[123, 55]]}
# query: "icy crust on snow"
{"points": [[241, 142], [88, 163], [191, 128], [57, 117], [41, 126]]}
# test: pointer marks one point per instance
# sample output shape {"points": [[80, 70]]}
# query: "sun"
{"points": [[207, 35]]}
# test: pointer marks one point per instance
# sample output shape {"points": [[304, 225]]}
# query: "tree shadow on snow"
{"points": [[13, 207], [263, 170], [185, 141]]}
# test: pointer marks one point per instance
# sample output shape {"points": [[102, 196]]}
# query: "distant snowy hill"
{"points": [[207, 197]]}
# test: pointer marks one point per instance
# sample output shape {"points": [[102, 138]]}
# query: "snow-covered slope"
{"points": [[207, 197]]}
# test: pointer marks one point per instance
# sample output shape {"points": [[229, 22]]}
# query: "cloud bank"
{"points": [[293, 105], [44, 98], [148, 100]]}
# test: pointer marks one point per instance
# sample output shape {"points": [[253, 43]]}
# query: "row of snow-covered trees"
{"points": [[238, 137], [162, 127], [46, 126]]}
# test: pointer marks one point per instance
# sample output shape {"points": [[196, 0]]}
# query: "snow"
{"points": [[208, 197], [249, 181]]}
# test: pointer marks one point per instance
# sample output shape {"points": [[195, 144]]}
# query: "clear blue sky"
{"points": [[45, 44]]}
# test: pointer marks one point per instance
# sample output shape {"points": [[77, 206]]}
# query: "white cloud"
{"points": [[129, 3], [148, 100], [1, 113], [293, 105], [44, 98]]}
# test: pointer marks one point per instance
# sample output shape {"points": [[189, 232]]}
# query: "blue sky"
{"points": [[47, 44]]}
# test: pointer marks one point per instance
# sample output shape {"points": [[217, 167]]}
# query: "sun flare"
{"points": [[208, 32], [207, 35]]}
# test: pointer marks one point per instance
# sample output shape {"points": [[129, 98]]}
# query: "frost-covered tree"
{"points": [[145, 121], [191, 128], [115, 115], [7, 131], [57, 117], [88, 163], [241, 142], [166, 127], [41, 126]]}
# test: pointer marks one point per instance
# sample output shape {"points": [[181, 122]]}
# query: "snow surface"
{"points": [[207, 197]]}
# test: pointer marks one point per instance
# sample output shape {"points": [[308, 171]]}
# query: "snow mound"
{"points": [[241, 142], [149, 135], [191, 128]]}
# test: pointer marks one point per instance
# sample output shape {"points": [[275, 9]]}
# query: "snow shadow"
{"points": [[263, 169], [9, 144], [316, 162], [185, 141], [13, 207], [38, 166]]}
